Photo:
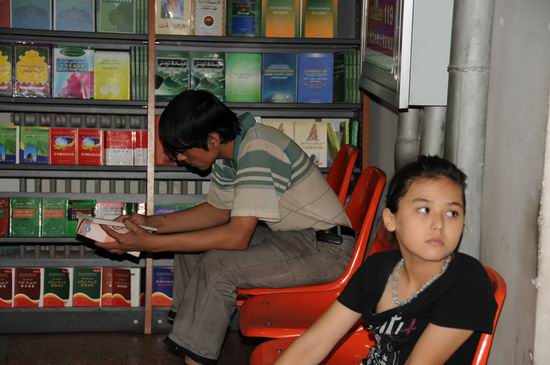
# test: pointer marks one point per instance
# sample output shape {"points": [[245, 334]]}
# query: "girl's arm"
{"points": [[436, 345], [315, 344]]}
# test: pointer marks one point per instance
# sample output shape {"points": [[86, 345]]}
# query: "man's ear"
{"points": [[214, 139], [389, 219]]}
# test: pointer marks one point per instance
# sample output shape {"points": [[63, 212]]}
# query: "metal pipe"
{"points": [[467, 105], [433, 130], [407, 142]]}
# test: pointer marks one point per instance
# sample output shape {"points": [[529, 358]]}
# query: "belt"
{"points": [[334, 235]]}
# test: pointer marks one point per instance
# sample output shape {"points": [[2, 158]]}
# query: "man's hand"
{"points": [[133, 238]]}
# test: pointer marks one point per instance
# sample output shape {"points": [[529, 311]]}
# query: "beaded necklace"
{"points": [[396, 272]]}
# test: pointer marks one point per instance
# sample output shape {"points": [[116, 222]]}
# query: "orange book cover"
{"points": [[319, 18], [281, 18]]}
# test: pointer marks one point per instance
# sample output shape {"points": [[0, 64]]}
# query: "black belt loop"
{"points": [[334, 235]]}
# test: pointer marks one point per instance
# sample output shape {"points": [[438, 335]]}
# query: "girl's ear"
{"points": [[389, 220]]}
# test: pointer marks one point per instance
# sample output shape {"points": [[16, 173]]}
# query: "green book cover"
{"points": [[208, 72], [243, 77], [57, 287], [75, 207], [86, 287], [340, 90], [172, 73], [34, 145], [116, 16], [25, 217], [6, 70], [354, 133], [54, 217], [9, 144]]}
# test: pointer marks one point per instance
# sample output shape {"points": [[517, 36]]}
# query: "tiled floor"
{"points": [[107, 348]]}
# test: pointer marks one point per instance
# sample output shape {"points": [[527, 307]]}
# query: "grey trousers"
{"points": [[205, 284]]}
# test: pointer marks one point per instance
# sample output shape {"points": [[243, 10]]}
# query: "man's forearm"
{"points": [[197, 218]]}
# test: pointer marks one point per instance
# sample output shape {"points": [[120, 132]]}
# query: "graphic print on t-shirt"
{"points": [[388, 336]]}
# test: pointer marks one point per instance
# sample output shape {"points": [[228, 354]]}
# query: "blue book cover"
{"points": [[74, 15], [315, 77], [31, 14], [279, 78], [163, 281], [243, 18]]}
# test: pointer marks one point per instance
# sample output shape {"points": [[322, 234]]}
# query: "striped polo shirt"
{"points": [[271, 178]]}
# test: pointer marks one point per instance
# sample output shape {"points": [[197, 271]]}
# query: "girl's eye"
{"points": [[423, 210], [452, 214]]}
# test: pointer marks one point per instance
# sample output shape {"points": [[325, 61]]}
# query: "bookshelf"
{"points": [[148, 184]]}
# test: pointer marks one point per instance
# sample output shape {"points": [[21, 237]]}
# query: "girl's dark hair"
{"points": [[426, 167], [190, 117]]}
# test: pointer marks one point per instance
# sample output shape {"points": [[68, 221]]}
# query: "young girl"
{"points": [[424, 304]]}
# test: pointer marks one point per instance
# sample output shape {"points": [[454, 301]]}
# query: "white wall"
{"points": [[517, 115]]}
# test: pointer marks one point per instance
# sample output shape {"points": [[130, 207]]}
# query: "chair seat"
{"points": [[283, 315]]}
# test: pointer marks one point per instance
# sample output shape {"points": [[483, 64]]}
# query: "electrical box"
{"points": [[406, 51]]}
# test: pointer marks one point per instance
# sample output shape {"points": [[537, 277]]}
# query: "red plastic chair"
{"points": [[286, 312], [339, 175], [355, 347]]}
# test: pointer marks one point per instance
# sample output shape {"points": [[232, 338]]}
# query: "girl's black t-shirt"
{"points": [[460, 298]]}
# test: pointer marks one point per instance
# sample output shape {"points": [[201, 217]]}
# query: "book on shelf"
{"points": [[34, 145], [4, 216], [285, 126], [115, 287], [333, 136], [89, 146], [63, 146], [54, 217], [209, 17], [171, 73], [74, 15], [89, 229], [140, 147], [118, 147], [86, 287], [163, 282], [6, 69], [9, 144], [319, 18], [57, 287], [131, 208], [279, 78], [112, 75], [25, 216], [116, 16], [315, 77], [32, 70], [76, 208], [5, 12], [281, 18], [208, 72], [27, 287], [244, 18], [6, 287], [31, 14], [173, 17], [311, 136], [243, 77], [108, 210], [73, 73]]}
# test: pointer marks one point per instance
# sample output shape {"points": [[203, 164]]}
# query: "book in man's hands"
{"points": [[89, 228]]}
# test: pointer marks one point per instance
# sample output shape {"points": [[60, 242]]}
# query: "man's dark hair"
{"points": [[426, 167], [190, 117]]}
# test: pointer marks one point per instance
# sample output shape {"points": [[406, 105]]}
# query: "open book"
{"points": [[89, 228]]}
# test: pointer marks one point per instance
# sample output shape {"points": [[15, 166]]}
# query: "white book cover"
{"points": [[209, 17], [135, 286], [283, 125], [311, 136], [173, 17]]}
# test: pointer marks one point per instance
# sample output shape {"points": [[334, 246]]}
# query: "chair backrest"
{"points": [[486, 339], [339, 174], [361, 211]]}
